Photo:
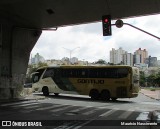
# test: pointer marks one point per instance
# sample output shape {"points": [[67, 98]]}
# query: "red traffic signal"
{"points": [[106, 20], [106, 24]]}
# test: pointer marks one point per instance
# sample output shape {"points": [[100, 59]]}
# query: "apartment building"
{"points": [[140, 56], [116, 56]]}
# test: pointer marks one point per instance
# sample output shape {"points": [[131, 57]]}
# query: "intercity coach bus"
{"points": [[99, 82]]}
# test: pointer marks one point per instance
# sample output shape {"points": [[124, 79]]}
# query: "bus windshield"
{"points": [[37, 75]]}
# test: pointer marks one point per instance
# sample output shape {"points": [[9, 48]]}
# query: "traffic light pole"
{"points": [[141, 30]]}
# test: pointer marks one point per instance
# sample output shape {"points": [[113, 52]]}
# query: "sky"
{"points": [[86, 41]]}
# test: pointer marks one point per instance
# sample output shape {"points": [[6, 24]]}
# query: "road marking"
{"points": [[125, 114], [133, 109], [17, 103], [108, 113], [79, 109], [50, 107], [151, 103], [30, 107], [23, 105], [143, 116], [90, 112], [60, 109]]}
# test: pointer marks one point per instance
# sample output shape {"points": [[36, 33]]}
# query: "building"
{"points": [[136, 59], [54, 62], [140, 56], [65, 61], [116, 56], [158, 63], [74, 60], [128, 59], [36, 59], [151, 61], [142, 67]]}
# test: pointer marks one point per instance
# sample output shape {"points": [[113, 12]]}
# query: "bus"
{"points": [[98, 82]]}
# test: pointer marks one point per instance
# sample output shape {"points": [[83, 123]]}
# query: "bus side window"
{"points": [[84, 73], [122, 72], [93, 73], [110, 73], [49, 73]]}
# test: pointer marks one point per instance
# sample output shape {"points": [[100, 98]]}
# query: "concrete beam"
{"points": [[15, 47]]}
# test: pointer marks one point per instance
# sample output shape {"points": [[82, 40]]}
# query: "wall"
{"points": [[15, 47]]}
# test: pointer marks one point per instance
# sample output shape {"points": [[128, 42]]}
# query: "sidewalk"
{"points": [[34, 97], [25, 96], [152, 94]]}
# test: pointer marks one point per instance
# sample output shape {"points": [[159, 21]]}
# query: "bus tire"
{"points": [[114, 98], [45, 91], [94, 94], [56, 94], [105, 95]]}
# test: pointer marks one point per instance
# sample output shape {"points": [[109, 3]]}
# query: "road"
{"points": [[80, 112]]}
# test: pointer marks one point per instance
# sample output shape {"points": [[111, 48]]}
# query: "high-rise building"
{"points": [[36, 59], [136, 59], [140, 55], [128, 59], [116, 56], [151, 61]]}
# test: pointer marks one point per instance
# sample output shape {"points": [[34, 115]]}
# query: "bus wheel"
{"points": [[45, 91], [114, 98], [105, 95], [94, 94], [56, 94]]}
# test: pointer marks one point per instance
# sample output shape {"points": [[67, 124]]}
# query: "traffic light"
{"points": [[106, 24]]}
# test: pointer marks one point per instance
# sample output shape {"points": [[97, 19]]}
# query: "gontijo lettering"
{"points": [[92, 81]]}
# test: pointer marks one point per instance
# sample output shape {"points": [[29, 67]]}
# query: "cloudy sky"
{"points": [[93, 45]]}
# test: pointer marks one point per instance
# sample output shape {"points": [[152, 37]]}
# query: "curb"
{"points": [[149, 96], [21, 99]]}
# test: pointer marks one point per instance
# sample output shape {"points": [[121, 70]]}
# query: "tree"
{"points": [[101, 61], [142, 78], [41, 64], [151, 79], [32, 68], [157, 79]]}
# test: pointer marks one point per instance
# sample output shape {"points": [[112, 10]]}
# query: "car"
{"points": [[27, 85]]}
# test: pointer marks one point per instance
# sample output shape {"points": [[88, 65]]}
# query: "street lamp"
{"points": [[70, 52]]}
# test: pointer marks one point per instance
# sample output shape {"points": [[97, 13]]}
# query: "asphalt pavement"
{"points": [[50, 108]]}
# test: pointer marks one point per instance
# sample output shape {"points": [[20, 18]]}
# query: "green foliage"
{"points": [[142, 78], [33, 68], [152, 80], [101, 61], [41, 64]]}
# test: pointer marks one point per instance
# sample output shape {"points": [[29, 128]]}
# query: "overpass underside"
{"points": [[15, 47]]}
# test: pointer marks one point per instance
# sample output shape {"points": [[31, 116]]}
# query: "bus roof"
{"points": [[70, 66]]}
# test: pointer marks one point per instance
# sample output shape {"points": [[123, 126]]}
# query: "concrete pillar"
{"points": [[15, 47]]}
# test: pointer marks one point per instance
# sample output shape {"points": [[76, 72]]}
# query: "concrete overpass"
{"points": [[22, 21]]}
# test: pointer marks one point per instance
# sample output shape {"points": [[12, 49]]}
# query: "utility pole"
{"points": [[70, 52]]}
